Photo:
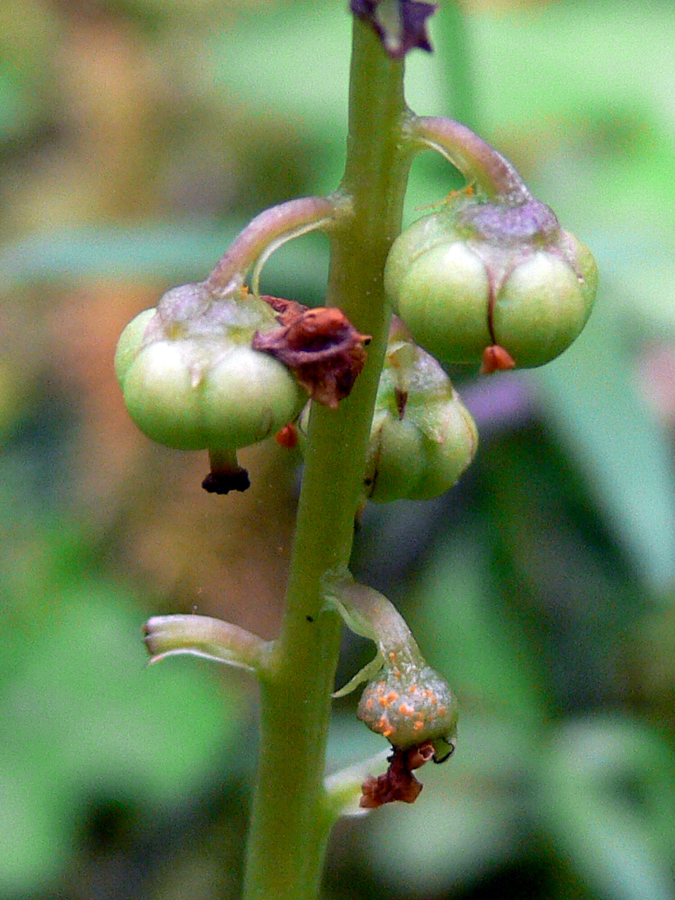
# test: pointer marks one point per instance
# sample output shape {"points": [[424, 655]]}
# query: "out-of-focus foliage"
{"points": [[136, 138]]}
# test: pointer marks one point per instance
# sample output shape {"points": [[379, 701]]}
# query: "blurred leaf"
{"points": [[162, 252], [296, 62], [640, 266], [556, 56], [471, 815], [464, 635], [607, 794], [84, 715], [590, 397], [29, 33]]}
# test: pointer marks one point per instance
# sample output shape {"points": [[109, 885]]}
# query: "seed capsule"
{"points": [[422, 436], [477, 275], [191, 379], [409, 705]]}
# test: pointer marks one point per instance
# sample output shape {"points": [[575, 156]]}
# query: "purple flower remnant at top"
{"points": [[401, 25]]}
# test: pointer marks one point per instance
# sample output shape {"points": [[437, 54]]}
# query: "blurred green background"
{"points": [[136, 138]]}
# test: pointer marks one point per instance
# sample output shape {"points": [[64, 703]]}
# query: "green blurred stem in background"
{"points": [[456, 59], [291, 819]]}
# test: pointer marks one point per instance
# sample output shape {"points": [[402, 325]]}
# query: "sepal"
{"points": [[401, 25]]}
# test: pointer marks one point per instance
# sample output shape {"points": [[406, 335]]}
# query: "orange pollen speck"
{"points": [[419, 724], [391, 696], [406, 710], [392, 655], [370, 703], [441, 710], [387, 732], [397, 673]]}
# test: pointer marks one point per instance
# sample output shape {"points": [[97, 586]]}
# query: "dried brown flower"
{"points": [[398, 782], [321, 346]]}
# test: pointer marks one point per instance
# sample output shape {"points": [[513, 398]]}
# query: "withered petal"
{"points": [[398, 783], [321, 346]]}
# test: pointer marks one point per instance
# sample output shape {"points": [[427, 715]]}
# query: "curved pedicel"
{"points": [[207, 638]]}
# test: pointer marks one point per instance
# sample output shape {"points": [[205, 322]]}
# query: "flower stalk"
{"points": [[208, 638], [219, 368], [266, 233], [480, 163], [292, 814]]}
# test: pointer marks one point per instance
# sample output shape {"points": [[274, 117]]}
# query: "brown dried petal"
{"points": [[320, 346], [286, 310], [398, 782]]}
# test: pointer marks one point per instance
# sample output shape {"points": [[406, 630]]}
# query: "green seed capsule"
{"points": [[247, 396], [395, 462], [163, 397], [405, 700], [422, 437], [130, 342], [409, 705], [476, 275], [192, 381], [541, 309], [450, 278], [192, 397]]}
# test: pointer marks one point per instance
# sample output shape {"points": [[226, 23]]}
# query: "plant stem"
{"points": [[266, 233], [290, 822], [454, 44], [474, 157]]}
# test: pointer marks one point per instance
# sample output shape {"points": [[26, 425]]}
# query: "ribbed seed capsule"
{"points": [[422, 436], [478, 274], [405, 700], [410, 704], [192, 381]]}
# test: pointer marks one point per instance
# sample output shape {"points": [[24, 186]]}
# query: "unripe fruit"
{"points": [[405, 700], [449, 278], [191, 380], [477, 275], [249, 396], [395, 462], [410, 705], [422, 436], [541, 309], [161, 399], [130, 343]]}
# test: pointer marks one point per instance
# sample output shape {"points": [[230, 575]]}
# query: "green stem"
{"points": [[266, 233], [480, 163], [291, 818], [456, 57]]}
